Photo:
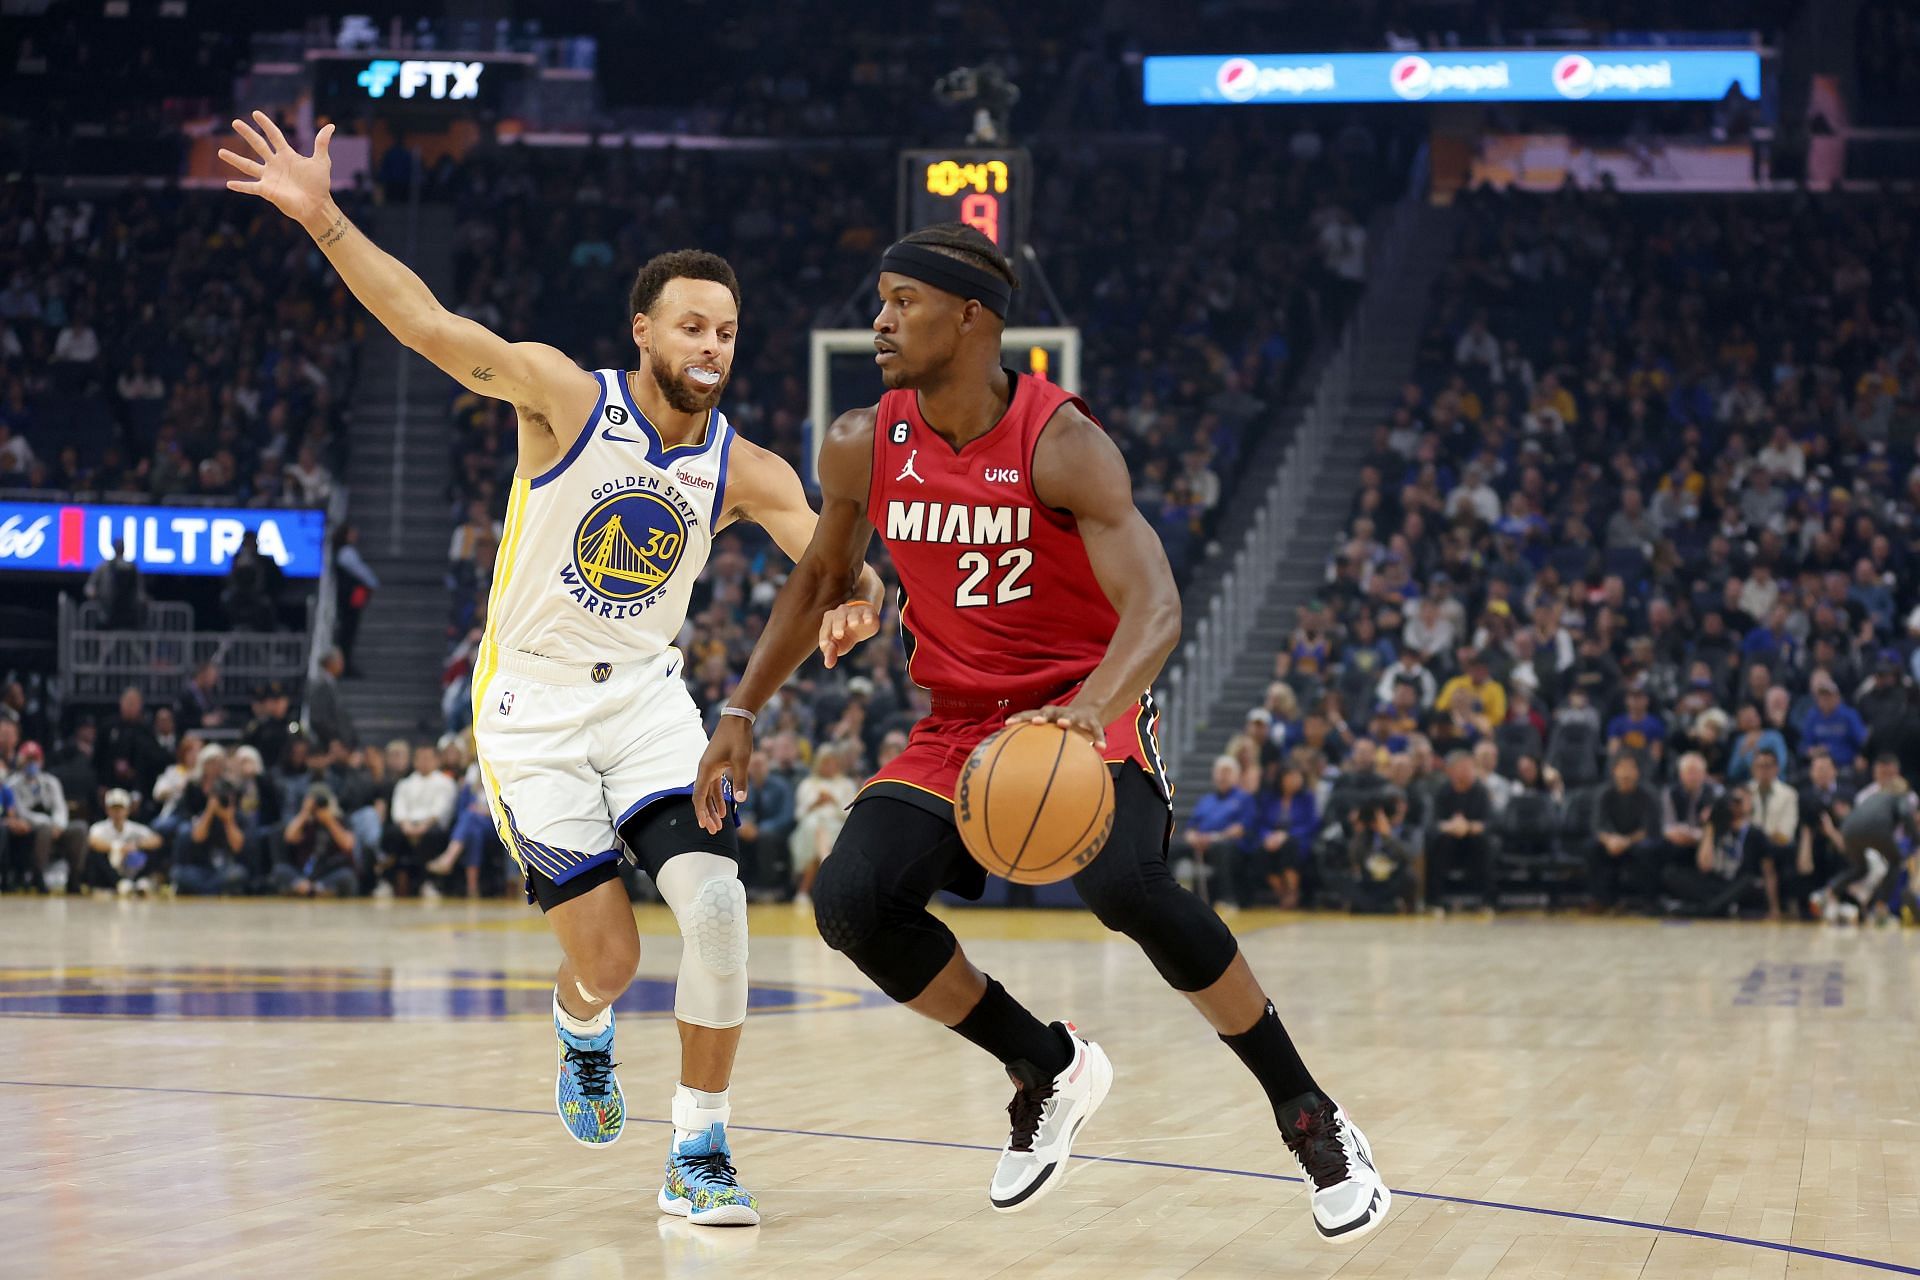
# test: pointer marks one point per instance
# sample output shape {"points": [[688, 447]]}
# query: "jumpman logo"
{"points": [[909, 471]]}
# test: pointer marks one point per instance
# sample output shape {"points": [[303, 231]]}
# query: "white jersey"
{"points": [[599, 555]]}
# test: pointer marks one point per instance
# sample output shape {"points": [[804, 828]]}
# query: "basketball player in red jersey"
{"points": [[1032, 589]]}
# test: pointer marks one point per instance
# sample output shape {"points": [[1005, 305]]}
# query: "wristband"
{"points": [[742, 712]]}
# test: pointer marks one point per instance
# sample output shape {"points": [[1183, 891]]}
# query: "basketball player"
{"points": [[585, 732], [1032, 590], [1870, 837]]}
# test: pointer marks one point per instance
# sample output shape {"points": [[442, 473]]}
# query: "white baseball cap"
{"points": [[119, 799]]}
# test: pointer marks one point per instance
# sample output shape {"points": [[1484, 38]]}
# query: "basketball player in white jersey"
{"points": [[586, 735]]}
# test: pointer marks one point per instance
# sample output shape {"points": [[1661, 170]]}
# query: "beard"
{"points": [[681, 393]]}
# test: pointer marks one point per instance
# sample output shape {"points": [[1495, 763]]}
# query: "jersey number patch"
{"points": [[900, 430], [1015, 562]]}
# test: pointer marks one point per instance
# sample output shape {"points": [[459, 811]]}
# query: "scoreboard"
{"points": [[989, 189]]}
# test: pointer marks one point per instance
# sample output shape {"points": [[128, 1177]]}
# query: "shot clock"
{"points": [[988, 189]]}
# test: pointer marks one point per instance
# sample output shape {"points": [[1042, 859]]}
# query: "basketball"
{"points": [[1035, 803]]}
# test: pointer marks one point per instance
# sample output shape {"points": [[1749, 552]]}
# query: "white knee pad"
{"points": [[710, 903]]}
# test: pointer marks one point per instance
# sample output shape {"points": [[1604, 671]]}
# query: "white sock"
{"points": [[588, 1027], [695, 1111]]}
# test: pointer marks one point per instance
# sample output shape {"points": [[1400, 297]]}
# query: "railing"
{"points": [[1204, 663], [326, 599], [160, 658]]}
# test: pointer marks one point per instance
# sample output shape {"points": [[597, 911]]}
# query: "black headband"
{"points": [[957, 277]]}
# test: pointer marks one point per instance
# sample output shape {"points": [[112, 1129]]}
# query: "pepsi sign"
{"points": [[50, 537], [1489, 75]]}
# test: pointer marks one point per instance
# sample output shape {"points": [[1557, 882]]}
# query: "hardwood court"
{"points": [[264, 1088]]}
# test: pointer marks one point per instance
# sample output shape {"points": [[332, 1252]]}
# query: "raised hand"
{"points": [[296, 185]]}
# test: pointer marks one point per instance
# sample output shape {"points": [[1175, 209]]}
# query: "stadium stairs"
{"points": [[1385, 355], [400, 502]]}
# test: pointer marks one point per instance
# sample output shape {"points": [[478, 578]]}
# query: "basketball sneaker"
{"points": [[1047, 1115], [587, 1094], [1349, 1198], [701, 1186]]}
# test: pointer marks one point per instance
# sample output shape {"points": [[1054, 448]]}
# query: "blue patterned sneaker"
{"points": [[587, 1093], [700, 1183]]}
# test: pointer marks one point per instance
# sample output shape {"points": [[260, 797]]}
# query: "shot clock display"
{"points": [[988, 189]]}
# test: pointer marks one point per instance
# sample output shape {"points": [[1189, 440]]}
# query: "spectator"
{"points": [[356, 583], [1833, 725], [1824, 806], [199, 703], [1380, 864], [417, 827], [1774, 809], [1640, 731], [1623, 855], [314, 852], [1221, 821], [1685, 808], [767, 821], [820, 803], [1475, 695], [171, 786], [474, 843], [253, 587], [1458, 846], [1751, 738], [129, 754], [115, 586], [1286, 824], [327, 715], [38, 826], [118, 850], [269, 731]]}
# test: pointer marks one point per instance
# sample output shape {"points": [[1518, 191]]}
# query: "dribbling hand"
{"points": [[1078, 719], [724, 761], [843, 628], [294, 184]]}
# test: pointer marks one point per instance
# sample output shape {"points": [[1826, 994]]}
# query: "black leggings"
{"points": [[870, 900]]}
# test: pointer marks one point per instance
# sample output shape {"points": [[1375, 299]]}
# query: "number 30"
{"points": [[1016, 561]]}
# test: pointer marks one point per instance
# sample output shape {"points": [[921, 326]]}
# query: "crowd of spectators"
{"points": [[169, 344], [1626, 605]]}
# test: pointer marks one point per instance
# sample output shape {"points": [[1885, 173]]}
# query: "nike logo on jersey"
{"points": [[908, 471], [608, 435]]}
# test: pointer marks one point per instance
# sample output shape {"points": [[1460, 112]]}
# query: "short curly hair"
{"points": [[679, 264]]}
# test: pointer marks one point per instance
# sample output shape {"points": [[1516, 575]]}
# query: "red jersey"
{"points": [[1000, 609]]}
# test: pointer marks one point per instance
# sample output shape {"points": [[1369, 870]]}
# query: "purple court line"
{"points": [[1874, 1264]]}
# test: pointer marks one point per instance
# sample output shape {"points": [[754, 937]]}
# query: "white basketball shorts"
{"points": [[570, 751]]}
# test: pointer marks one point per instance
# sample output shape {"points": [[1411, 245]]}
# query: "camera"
{"points": [[225, 791]]}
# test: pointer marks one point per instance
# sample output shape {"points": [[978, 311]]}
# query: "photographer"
{"points": [[313, 855], [1378, 860], [209, 856], [417, 826]]}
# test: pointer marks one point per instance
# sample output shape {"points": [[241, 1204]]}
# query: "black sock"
{"points": [[1002, 1026], [1268, 1052]]}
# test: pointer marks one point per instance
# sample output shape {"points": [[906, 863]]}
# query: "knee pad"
{"points": [[710, 904], [898, 944], [1189, 944]]}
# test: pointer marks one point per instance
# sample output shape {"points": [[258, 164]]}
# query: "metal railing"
{"points": [[159, 659], [1205, 662], [326, 601]]}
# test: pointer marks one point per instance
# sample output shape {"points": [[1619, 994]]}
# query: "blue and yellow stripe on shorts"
{"points": [[488, 660]]}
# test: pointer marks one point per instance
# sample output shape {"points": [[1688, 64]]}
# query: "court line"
{"points": [[1568, 1215]]}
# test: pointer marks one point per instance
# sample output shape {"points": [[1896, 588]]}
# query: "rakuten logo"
{"points": [[1414, 78], [19, 540], [1243, 80], [1575, 76]]}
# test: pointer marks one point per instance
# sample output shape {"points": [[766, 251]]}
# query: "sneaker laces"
{"points": [[714, 1166], [1025, 1112], [593, 1068], [1316, 1144]]}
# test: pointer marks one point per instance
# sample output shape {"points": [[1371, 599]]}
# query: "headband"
{"points": [[955, 276]]}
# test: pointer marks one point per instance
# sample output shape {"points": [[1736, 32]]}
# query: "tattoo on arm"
{"points": [[336, 233], [481, 374]]}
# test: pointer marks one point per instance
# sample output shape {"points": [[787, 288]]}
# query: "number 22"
{"points": [[1016, 561]]}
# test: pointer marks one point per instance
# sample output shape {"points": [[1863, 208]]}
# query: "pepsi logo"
{"points": [[1573, 76], [1412, 78], [1238, 79]]}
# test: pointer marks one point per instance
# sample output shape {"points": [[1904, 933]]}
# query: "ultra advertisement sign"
{"points": [[50, 537], [1488, 75]]}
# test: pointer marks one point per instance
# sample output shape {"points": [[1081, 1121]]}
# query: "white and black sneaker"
{"points": [[1046, 1116], [1349, 1197]]}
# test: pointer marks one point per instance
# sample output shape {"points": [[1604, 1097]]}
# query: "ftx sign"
{"points": [[451, 81]]}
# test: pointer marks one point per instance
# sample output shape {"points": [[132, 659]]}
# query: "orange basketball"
{"points": [[1035, 803]]}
